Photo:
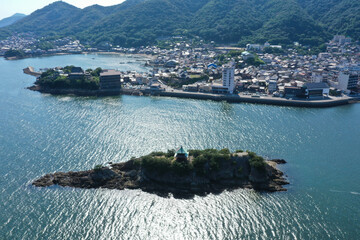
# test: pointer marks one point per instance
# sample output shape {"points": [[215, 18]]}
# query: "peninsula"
{"points": [[181, 173], [71, 80]]}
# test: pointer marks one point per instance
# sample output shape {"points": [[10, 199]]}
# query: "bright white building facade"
{"points": [[228, 77], [348, 81]]}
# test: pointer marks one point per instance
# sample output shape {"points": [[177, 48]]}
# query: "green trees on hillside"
{"points": [[140, 22], [14, 53]]}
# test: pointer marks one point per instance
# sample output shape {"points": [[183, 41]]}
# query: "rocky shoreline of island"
{"points": [[207, 171]]}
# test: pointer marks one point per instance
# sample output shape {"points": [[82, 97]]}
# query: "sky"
{"points": [[10, 7]]}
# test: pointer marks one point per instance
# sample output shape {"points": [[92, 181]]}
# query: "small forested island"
{"points": [[180, 173], [69, 77]]}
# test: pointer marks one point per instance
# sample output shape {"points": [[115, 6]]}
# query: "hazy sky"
{"points": [[10, 7]]}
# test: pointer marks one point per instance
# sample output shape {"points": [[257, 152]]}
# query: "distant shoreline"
{"points": [[81, 53], [325, 103]]}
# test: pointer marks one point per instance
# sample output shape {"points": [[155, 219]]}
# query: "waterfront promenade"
{"points": [[236, 98], [231, 98]]}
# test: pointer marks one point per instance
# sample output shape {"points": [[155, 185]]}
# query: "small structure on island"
{"points": [[181, 155], [76, 73]]}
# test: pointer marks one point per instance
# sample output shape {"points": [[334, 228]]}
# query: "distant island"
{"points": [[11, 20], [181, 173]]}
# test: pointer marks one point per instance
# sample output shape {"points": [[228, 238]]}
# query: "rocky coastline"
{"points": [[85, 92], [233, 173]]}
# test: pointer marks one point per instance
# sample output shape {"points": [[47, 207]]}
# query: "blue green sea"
{"points": [[40, 133]]}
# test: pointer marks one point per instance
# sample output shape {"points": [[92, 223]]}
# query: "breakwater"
{"points": [[30, 71]]}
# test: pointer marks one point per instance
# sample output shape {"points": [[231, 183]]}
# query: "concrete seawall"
{"points": [[324, 103], [31, 71], [258, 100]]}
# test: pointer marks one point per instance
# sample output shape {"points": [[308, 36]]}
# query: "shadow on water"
{"points": [[226, 107]]}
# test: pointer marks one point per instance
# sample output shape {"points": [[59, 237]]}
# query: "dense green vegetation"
{"points": [[234, 55], [161, 163], [225, 58], [256, 161], [209, 160], [14, 53], [98, 167], [310, 51], [10, 20], [44, 45], [52, 79], [142, 22], [203, 161], [255, 61]]}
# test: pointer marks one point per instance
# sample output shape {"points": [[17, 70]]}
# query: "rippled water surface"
{"points": [[41, 133]]}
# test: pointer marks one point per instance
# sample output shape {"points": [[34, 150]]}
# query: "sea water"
{"points": [[40, 133]]}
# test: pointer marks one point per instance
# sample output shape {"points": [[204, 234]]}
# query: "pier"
{"points": [[31, 71]]}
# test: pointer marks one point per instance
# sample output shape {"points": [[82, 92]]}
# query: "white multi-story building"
{"points": [[228, 77], [348, 81], [256, 47]]}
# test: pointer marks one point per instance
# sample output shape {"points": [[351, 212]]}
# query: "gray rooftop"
{"points": [[313, 86], [109, 72]]}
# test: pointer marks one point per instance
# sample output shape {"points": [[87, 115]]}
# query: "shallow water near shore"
{"points": [[40, 133]]}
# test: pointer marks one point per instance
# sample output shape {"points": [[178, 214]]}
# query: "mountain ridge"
{"points": [[141, 22], [12, 19]]}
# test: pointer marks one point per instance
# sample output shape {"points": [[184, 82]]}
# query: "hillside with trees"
{"points": [[11, 20], [143, 22]]}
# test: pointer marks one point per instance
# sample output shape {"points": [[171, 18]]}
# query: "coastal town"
{"points": [[180, 65], [180, 119]]}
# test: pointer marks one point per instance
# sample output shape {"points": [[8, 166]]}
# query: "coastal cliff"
{"points": [[206, 171]]}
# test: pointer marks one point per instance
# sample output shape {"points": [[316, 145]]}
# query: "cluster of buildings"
{"points": [[216, 70], [66, 45], [31, 45], [261, 47], [294, 75], [290, 75], [22, 42]]}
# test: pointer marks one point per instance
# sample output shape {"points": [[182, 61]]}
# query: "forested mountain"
{"points": [[344, 18], [10, 20], [141, 22]]}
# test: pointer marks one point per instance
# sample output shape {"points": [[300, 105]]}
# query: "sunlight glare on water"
{"points": [[40, 133]]}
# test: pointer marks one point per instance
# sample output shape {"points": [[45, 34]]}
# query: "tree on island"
{"points": [[53, 79], [14, 53]]}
